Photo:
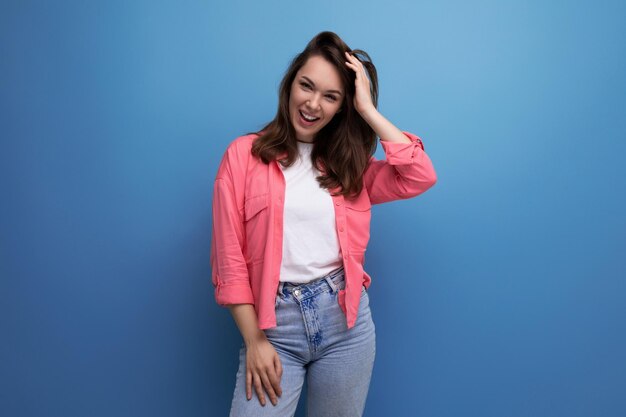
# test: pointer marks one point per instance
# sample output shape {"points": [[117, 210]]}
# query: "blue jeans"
{"points": [[313, 342]]}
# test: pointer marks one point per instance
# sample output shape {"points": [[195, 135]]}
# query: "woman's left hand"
{"points": [[362, 97]]}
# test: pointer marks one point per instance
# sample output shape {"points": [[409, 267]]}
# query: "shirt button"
{"points": [[338, 203], [341, 229]]}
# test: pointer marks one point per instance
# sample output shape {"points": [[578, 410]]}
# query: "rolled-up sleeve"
{"points": [[406, 171], [228, 266]]}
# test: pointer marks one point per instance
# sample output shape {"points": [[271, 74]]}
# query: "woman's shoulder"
{"points": [[242, 145], [244, 141], [238, 154]]}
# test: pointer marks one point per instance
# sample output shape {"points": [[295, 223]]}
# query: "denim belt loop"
{"points": [[281, 284], [330, 282]]}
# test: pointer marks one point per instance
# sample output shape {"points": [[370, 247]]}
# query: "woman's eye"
{"points": [[332, 98], [305, 85]]}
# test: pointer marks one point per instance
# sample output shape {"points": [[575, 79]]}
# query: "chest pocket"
{"points": [[254, 205], [256, 227]]}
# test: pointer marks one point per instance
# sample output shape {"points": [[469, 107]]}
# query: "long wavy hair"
{"points": [[342, 149]]}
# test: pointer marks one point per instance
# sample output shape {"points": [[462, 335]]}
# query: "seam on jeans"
{"points": [[307, 331]]}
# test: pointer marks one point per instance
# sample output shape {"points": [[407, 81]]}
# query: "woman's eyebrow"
{"points": [[313, 84]]}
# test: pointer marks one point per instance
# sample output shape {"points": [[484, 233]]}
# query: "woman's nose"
{"points": [[314, 102]]}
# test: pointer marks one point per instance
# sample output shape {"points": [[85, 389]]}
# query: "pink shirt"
{"points": [[246, 242]]}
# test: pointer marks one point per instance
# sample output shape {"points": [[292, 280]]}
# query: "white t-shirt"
{"points": [[310, 242]]}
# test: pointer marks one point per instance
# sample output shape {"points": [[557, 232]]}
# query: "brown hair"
{"points": [[342, 149]]}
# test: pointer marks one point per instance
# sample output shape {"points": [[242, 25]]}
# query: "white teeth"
{"points": [[307, 117]]}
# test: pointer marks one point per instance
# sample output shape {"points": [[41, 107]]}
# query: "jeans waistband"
{"points": [[333, 280]]}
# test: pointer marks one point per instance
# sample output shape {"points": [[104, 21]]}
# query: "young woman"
{"points": [[291, 218]]}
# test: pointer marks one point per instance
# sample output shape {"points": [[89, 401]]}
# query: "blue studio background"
{"points": [[499, 292]]}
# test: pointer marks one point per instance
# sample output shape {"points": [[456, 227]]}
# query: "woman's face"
{"points": [[316, 93]]}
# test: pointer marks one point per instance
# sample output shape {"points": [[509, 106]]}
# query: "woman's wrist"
{"points": [[384, 129], [369, 114], [255, 338], [246, 320]]}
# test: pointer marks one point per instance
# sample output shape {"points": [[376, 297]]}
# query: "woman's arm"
{"points": [[246, 320], [228, 265], [365, 106], [263, 366], [231, 281], [407, 170], [384, 129]]}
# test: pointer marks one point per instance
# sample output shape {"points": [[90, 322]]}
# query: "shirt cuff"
{"points": [[235, 293], [401, 153]]}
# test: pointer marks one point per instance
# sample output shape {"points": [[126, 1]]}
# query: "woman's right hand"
{"points": [[263, 370]]}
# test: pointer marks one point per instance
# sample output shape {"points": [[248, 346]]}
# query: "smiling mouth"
{"points": [[307, 118]]}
